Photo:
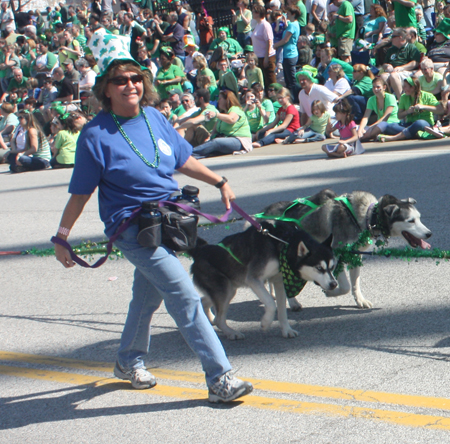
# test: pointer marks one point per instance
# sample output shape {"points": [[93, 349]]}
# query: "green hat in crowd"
{"points": [[276, 86], [444, 28], [306, 74], [248, 48]]}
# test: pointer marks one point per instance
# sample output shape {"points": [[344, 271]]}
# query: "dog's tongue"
{"points": [[424, 245]]}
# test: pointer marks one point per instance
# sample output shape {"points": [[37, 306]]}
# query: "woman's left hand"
{"points": [[227, 195]]}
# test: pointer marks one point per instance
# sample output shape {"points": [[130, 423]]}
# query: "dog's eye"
{"points": [[319, 268]]}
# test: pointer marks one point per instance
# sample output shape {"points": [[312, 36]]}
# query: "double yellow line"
{"points": [[398, 417]]}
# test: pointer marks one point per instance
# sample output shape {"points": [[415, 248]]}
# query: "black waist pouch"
{"points": [[179, 228]]}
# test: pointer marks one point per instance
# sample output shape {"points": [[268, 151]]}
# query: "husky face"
{"points": [[405, 222], [317, 264]]}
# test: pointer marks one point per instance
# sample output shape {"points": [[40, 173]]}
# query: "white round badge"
{"points": [[164, 147]]}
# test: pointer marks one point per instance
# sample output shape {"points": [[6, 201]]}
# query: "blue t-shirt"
{"points": [[105, 159], [290, 49]]}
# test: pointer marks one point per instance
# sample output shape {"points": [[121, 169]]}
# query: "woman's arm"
{"points": [[284, 40], [313, 12], [364, 121], [230, 118], [385, 116], [195, 169], [71, 213]]}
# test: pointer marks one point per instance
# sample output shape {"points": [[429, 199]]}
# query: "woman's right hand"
{"points": [[63, 255]]}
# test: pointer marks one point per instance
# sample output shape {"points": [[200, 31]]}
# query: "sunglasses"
{"points": [[185, 101], [122, 80]]}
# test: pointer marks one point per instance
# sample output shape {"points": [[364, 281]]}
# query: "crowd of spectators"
{"points": [[277, 74]]}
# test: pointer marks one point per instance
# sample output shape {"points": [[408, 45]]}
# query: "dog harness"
{"points": [[228, 249]]}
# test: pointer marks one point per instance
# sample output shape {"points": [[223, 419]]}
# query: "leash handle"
{"points": [[191, 210]]}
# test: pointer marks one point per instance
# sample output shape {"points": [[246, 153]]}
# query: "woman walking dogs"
{"points": [[130, 152]]}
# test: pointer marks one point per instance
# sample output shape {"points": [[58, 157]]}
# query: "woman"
{"points": [[30, 150], [256, 115], [327, 59], [8, 125], [65, 143], [262, 41], [318, 12], [70, 48], [286, 122], [242, 19], [289, 44], [88, 75], [169, 76], [384, 105], [130, 152], [201, 65], [266, 103], [416, 107], [430, 80], [337, 82], [360, 91], [231, 133], [375, 24], [230, 46]]}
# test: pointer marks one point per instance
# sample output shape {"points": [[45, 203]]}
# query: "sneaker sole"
{"points": [[121, 375], [217, 399]]}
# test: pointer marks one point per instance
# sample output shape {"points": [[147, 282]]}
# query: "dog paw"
{"points": [[364, 303], [235, 336], [294, 304], [289, 332]]}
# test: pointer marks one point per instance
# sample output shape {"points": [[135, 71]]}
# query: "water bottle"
{"points": [[189, 194], [150, 234]]}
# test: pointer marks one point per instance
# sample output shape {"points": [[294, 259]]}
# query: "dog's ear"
{"points": [[410, 200], [390, 210], [302, 250], [328, 241]]}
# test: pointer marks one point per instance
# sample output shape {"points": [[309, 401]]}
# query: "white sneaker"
{"points": [[227, 388], [140, 378]]}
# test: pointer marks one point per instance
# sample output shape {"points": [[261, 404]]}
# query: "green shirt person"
{"points": [[405, 13]]}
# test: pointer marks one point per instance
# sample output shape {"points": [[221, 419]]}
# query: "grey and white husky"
{"points": [[345, 218], [250, 258]]}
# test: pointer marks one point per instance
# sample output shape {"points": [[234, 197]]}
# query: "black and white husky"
{"points": [[345, 218], [250, 258]]}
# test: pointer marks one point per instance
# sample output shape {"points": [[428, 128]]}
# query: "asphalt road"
{"points": [[351, 376]]}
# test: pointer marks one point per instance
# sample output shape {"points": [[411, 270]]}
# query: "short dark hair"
{"points": [[204, 94]]}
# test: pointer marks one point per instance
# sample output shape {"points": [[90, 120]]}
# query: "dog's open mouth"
{"points": [[415, 242]]}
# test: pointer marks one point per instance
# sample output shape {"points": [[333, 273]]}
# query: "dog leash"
{"points": [[135, 213]]}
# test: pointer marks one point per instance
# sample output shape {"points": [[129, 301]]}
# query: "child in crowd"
{"points": [[13, 99], [165, 108], [278, 27], [251, 71], [287, 121], [256, 115], [420, 28], [314, 128], [309, 31], [349, 143]]}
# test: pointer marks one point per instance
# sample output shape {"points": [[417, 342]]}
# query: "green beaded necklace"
{"points": [[155, 163]]}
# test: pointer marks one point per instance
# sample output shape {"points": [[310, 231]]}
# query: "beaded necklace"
{"points": [[156, 161]]}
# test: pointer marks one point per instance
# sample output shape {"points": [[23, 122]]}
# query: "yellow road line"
{"points": [[258, 402], [260, 384]]}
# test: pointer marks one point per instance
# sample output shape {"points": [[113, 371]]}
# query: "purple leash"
{"points": [[135, 213]]}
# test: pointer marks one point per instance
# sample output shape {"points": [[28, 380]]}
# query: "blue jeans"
{"points": [[30, 163], [289, 74], [217, 147], [160, 276], [267, 140], [309, 134], [409, 130]]}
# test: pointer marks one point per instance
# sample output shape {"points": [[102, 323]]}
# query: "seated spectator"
{"points": [[197, 128], [439, 51], [251, 72], [227, 79], [69, 48], [165, 108], [231, 46], [204, 81], [384, 105], [360, 91], [337, 82], [47, 95], [188, 103], [30, 150], [66, 91], [169, 76], [17, 82], [305, 53], [402, 59], [375, 23], [417, 108], [256, 115], [44, 63], [286, 122], [65, 142], [231, 133], [88, 75], [430, 81], [70, 72], [265, 102], [327, 59], [8, 124], [10, 63]]}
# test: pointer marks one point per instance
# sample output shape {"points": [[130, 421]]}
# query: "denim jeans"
{"points": [[217, 147], [309, 134], [160, 276], [267, 140], [289, 74], [409, 130], [30, 163]]}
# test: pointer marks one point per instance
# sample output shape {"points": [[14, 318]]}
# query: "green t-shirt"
{"points": [[404, 15], [241, 26], [389, 100], [168, 74], [364, 86], [239, 129], [254, 75], [346, 29], [268, 107], [179, 111], [66, 144], [209, 73], [229, 81], [425, 99], [231, 46], [208, 124], [13, 83], [255, 120], [401, 56], [429, 87], [302, 20], [319, 124]]}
